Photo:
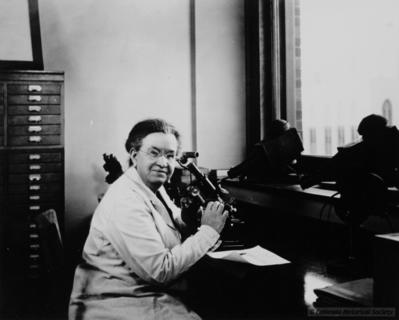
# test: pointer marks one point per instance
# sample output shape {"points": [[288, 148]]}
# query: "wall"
{"points": [[125, 60], [220, 83]]}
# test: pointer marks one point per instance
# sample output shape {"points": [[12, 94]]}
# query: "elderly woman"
{"points": [[133, 259]]}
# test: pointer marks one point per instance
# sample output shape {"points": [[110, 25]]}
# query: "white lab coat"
{"points": [[133, 258]]}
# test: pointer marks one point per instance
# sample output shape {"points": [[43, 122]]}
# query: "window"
{"points": [[342, 64]]}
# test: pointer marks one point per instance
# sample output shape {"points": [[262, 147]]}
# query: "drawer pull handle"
{"points": [[35, 128], [35, 177], [32, 226], [34, 266], [35, 167], [36, 139], [34, 256], [34, 118], [34, 88], [35, 108], [34, 187], [34, 246], [35, 98], [33, 236], [34, 156], [35, 197]]}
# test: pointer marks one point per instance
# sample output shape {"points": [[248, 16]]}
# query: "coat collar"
{"points": [[133, 176], [138, 183]]}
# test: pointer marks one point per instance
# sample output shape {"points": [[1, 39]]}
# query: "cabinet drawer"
{"points": [[35, 187], [54, 129], [34, 156], [27, 209], [2, 162], [34, 109], [33, 99], [34, 119], [34, 198], [35, 167], [34, 178], [34, 140], [33, 88]]}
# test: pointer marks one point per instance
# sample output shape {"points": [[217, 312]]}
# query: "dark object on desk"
{"points": [[362, 194], [378, 153], [271, 158], [113, 167], [356, 293]]}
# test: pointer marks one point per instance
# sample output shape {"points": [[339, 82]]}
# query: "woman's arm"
{"points": [[132, 230]]}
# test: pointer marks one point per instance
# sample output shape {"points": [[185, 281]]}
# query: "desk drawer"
{"points": [[34, 178], [34, 119], [34, 88], [35, 167], [34, 140], [50, 129], [35, 187], [34, 109], [33, 99], [34, 157]]}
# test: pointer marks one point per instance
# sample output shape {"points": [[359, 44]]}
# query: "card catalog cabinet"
{"points": [[31, 173]]}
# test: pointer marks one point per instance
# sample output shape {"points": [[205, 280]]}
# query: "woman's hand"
{"points": [[214, 216]]}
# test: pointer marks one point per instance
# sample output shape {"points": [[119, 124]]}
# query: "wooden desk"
{"points": [[287, 221], [232, 290]]}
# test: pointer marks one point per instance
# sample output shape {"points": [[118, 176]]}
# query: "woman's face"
{"points": [[156, 159]]}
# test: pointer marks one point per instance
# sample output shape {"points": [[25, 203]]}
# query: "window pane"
{"points": [[349, 68]]}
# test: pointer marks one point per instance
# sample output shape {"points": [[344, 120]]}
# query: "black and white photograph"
{"points": [[199, 159]]}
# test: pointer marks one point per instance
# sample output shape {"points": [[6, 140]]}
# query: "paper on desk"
{"points": [[256, 256]]}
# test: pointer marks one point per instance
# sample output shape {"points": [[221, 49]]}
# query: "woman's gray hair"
{"points": [[143, 128]]}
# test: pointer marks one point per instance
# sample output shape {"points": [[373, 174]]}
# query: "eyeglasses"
{"points": [[155, 154]]}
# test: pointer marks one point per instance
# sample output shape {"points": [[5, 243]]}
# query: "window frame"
{"points": [[271, 84]]}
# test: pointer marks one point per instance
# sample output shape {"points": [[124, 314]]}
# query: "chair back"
{"points": [[53, 286]]}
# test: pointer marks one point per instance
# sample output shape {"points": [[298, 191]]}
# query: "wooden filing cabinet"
{"points": [[31, 175]]}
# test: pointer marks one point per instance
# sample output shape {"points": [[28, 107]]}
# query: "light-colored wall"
{"points": [[125, 60], [220, 82]]}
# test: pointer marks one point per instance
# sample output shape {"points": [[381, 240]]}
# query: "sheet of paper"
{"points": [[257, 256]]}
